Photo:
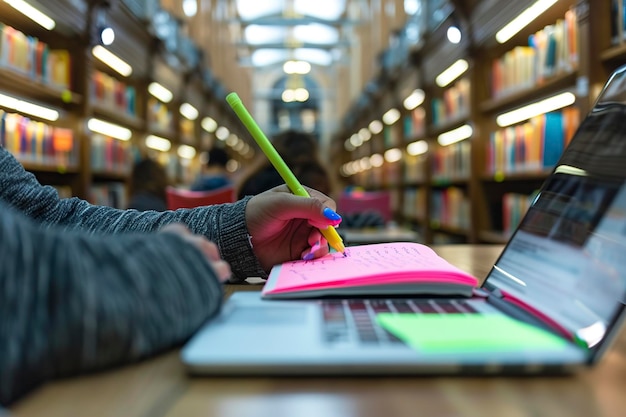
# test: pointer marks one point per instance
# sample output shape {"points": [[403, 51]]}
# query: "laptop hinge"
{"points": [[520, 311]]}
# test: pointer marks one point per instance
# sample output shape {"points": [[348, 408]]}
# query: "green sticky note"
{"points": [[451, 333]]}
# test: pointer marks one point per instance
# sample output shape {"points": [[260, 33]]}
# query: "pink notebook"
{"points": [[399, 268]]}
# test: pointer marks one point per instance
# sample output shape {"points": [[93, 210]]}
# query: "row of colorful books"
{"points": [[159, 116], [34, 58], [110, 155], [112, 194], [455, 103], [514, 206], [550, 51], [391, 137], [36, 142], [414, 168], [414, 207], [392, 173], [414, 123], [64, 191], [111, 93], [450, 207], [533, 146], [452, 162], [618, 21], [373, 177]]}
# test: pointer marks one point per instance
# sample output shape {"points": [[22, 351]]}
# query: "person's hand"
{"points": [[285, 227], [208, 249]]}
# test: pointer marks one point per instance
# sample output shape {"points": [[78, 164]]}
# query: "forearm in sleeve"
{"points": [[71, 302], [223, 224]]}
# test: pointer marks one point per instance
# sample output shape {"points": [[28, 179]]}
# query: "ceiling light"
{"points": [[266, 56], [417, 148], [252, 9], [29, 108], [190, 7], [32, 13], [239, 146], [535, 109], [232, 165], [365, 134], [348, 145], [109, 129], [232, 140], [222, 133], [160, 92], [259, 34], [312, 55], [455, 135], [454, 34], [301, 94], [186, 151], [393, 155], [318, 33], [345, 170], [523, 19], [209, 124], [365, 163], [288, 95], [451, 73], [377, 160], [158, 143], [356, 140], [188, 111], [321, 9], [414, 99], [391, 116], [112, 60], [297, 67], [411, 7], [107, 36], [375, 127]]}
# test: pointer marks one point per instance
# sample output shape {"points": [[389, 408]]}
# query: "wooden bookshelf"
{"points": [[551, 85], [97, 91], [482, 193]]}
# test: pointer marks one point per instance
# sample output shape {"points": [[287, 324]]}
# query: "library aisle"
{"points": [[456, 109]]}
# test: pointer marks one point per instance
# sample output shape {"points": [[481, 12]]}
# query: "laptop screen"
{"points": [[567, 258]]}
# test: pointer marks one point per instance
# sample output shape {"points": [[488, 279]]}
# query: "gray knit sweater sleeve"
{"points": [[72, 301], [223, 224]]}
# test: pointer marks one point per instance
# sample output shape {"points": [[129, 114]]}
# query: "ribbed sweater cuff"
{"points": [[234, 241]]}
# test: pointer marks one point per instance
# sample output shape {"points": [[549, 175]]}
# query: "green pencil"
{"points": [[277, 161]]}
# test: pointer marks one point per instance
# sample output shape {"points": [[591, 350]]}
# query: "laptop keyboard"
{"points": [[345, 320]]}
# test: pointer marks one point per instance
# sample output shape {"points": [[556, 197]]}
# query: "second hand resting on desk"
{"points": [[331, 235]]}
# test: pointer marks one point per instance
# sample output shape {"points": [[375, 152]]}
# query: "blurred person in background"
{"points": [[148, 181], [300, 152], [214, 174]]}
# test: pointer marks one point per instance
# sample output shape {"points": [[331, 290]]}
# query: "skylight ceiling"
{"points": [[321, 9], [316, 33], [253, 9], [266, 56], [313, 33], [303, 34], [259, 35]]}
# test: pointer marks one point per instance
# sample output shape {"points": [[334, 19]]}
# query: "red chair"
{"points": [[365, 201], [179, 198]]}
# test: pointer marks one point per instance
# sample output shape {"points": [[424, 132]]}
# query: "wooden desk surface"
{"points": [[160, 387]]}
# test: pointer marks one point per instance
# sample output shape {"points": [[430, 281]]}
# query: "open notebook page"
{"points": [[368, 265]]}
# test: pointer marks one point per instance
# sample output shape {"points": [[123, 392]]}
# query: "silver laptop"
{"points": [[563, 270]]}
